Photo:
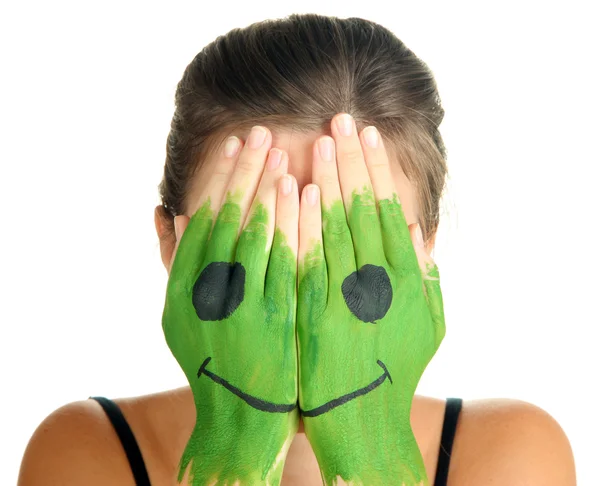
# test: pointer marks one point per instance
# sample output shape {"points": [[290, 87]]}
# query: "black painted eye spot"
{"points": [[368, 293], [219, 290]]}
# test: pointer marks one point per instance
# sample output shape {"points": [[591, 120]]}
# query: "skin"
{"points": [[365, 300], [332, 303], [76, 443], [220, 281]]}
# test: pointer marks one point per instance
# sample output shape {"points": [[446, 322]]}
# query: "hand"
{"points": [[370, 318], [229, 320]]}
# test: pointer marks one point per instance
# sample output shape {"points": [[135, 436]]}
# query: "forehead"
{"points": [[299, 147]]}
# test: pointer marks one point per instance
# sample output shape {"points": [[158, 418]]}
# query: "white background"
{"points": [[86, 100]]}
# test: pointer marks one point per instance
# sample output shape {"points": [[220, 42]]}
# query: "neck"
{"points": [[301, 466]]}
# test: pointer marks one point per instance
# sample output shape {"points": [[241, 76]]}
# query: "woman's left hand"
{"points": [[370, 317]]}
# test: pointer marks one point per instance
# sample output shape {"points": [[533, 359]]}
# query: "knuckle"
{"points": [[328, 179], [220, 177], [310, 231], [311, 224], [335, 226], [221, 173], [378, 165], [285, 208], [247, 165], [351, 156]]}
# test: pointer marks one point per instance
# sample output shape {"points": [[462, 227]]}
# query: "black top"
{"points": [[132, 450], [140, 474], [453, 407]]}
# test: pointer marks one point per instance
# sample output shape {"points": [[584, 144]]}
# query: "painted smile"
{"points": [[254, 402], [271, 407], [326, 407]]}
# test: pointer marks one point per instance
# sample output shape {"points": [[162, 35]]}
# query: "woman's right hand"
{"points": [[229, 318]]}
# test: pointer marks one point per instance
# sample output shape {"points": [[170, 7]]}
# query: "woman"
{"points": [[300, 204]]}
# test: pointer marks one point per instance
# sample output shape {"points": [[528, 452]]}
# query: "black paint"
{"points": [[368, 293], [350, 396], [254, 402], [219, 290]]}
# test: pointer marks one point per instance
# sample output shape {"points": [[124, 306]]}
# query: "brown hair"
{"points": [[297, 73]]}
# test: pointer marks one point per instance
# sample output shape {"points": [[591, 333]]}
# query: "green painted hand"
{"points": [[370, 318], [229, 320]]}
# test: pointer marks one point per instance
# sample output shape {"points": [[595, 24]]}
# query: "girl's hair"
{"points": [[296, 73]]}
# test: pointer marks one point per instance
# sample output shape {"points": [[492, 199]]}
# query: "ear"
{"points": [[167, 233]]}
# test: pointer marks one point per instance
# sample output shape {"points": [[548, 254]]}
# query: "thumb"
{"points": [[180, 223], [424, 258], [431, 283]]}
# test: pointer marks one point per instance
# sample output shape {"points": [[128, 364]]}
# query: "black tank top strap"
{"points": [[132, 450], [140, 473], [453, 408]]}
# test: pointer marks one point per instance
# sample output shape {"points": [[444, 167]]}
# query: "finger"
{"points": [[357, 192], [312, 267], [337, 240], [192, 248], [431, 284], [180, 223], [312, 282], [396, 238], [431, 279], [280, 285], [239, 194], [254, 244]]}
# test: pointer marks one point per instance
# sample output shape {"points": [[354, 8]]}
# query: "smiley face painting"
{"points": [[338, 330], [370, 318], [229, 319], [355, 396], [245, 396]]}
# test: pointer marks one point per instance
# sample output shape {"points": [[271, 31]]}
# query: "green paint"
{"points": [[254, 349], [368, 440]]}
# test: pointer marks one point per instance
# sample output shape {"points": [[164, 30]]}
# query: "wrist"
{"points": [[223, 450], [363, 452]]}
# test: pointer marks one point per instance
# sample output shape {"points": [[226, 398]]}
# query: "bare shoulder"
{"points": [[74, 445], [497, 441], [505, 441], [77, 444]]}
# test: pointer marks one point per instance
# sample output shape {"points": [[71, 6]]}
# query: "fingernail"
{"points": [[286, 184], [371, 136], [344, 124], [231, 147], [312, 194], [257, 137], [326, 149], [274, 159]]}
